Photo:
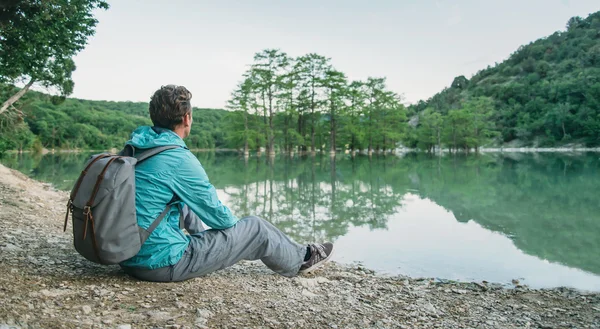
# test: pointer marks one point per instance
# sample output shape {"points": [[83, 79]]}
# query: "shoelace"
{"points": [[320, 250]]}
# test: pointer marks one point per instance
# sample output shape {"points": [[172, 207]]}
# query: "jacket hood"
{"points": [[146, 137]]}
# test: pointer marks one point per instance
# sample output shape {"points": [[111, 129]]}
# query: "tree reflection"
{"points": [[546, 203]]}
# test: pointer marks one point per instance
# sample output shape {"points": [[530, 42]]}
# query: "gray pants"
{"points": [[251, 238]]}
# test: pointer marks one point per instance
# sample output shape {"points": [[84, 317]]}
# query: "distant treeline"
{"points": [[545, 94], [47, 122]]}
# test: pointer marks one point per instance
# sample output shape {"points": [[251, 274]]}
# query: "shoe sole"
{"points": [[319, 264]]}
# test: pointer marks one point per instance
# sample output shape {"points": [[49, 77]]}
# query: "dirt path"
{"points": [[44, 283]]}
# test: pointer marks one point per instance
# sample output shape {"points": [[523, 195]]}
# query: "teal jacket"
{"points": [[176, 171]]}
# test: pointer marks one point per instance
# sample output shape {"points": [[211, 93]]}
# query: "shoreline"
{"points": [[398, 151], [45, 283]]}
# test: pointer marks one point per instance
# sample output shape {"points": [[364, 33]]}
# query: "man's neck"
{"points": [[180, 131]]}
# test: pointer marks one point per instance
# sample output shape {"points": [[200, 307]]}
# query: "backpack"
{"points": [[102, 206]]}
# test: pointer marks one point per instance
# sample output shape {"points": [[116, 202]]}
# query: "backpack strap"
{"points": [[143, 154], [157, 221], [162, 215], [152, 152]]}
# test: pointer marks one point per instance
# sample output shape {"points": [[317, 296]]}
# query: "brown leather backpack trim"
{"points": [[99, 181], [84, 172], [77, 185]]}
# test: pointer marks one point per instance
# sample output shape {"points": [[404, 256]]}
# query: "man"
{"points": [[171, 255]]}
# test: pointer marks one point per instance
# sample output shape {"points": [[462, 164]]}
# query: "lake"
{"points": [[492, 217]]}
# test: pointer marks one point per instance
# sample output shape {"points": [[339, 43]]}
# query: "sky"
{"points": [[419, 45]]}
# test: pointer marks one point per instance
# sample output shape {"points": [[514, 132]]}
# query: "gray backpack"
{"points": [[102, 204]]}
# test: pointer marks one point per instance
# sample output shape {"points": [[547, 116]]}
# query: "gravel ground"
{"points": [[44, 283]]}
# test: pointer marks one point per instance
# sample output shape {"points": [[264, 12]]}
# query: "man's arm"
{"points": [[191, 184], [191, 221]]}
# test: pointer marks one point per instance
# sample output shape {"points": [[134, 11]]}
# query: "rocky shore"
{"points": [[44, 283]]}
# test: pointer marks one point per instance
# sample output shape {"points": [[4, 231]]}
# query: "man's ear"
{"points": [[187, 119]]}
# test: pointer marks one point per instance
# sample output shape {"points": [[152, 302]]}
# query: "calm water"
{"points": [[491, 217]]}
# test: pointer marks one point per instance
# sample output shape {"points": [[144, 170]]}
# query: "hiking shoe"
{"points": [[319, 255]]}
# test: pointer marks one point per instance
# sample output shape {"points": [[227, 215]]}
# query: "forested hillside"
{"points": [[547, 93], [45, 121]]}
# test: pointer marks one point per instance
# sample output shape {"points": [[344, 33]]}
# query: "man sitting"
{"points": [[176, 174]]}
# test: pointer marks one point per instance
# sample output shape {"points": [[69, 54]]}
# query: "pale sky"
{"points": [[420, 46]]}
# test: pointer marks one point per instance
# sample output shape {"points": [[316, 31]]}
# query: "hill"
{"points": [[546, 93], [73, 123]]}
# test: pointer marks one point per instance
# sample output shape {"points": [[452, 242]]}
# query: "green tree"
{"points": [[357, 96], [429, 132], [457, 129], [375, 88], [267, 70], [38, 40], [480, 111], [558, 117], [335, 84], [242, 99], [311, 70]]}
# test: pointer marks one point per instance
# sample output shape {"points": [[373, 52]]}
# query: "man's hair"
{"points": [[169, 105]]}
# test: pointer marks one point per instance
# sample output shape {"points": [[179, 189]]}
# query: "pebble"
{"points": [[86, 309], [202, 316], [309, 294]]}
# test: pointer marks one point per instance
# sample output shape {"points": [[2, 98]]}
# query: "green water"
{"points": [[533, 217]]}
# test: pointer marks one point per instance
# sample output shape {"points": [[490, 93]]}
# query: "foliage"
{"points": [[39, 38], [305, 104], [546, 93], [97, 125]]}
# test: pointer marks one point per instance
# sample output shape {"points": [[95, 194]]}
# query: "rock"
{"points": [[86, 309], [322, 280], [202, 317], [52, 293], [307, 283], [204, 313], [158, 315], [428, 308], [179, 304], [309, 294], [124, 326], [10, 247]]}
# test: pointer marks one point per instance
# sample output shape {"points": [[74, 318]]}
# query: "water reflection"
{"points": [[545, 203]]}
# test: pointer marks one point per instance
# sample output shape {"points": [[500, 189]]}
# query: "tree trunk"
{"points": [[16, 96], [332, 121], [454, 139], [286, 143], [300, 131], [246, 151], [312, 120], [265, 125], [271, 136], [370, 149], [353, 141]]}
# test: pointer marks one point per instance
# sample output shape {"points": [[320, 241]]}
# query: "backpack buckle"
{"points": [[86, 210]]}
